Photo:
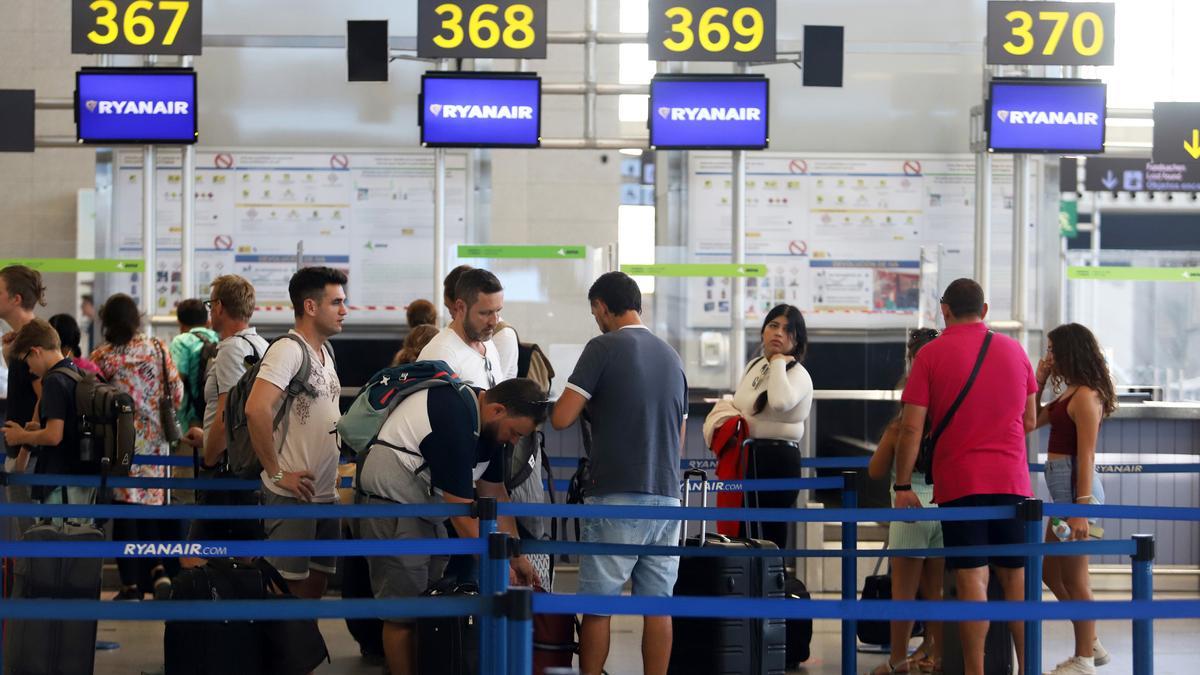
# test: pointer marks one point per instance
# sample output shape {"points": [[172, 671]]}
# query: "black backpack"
{"points": [[208, 352], [106, 431]]}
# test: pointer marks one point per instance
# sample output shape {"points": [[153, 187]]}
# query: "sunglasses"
{"points": [[921, 334], [209, 303]]}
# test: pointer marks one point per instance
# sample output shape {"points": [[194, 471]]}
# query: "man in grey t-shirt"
{"points": [[635, 392]]}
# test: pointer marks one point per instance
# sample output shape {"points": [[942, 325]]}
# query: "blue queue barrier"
{"points": [[496, 550]]}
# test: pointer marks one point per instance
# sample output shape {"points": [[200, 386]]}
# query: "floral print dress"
{"points": [[137, 369]]}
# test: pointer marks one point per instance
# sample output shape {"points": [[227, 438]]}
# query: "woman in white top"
{"points": [[774, 397]]}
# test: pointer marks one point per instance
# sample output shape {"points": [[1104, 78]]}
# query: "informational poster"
{"points": [[841, 235], [261, 214]]}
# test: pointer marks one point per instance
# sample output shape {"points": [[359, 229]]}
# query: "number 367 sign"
{"points": [[135, 26]]}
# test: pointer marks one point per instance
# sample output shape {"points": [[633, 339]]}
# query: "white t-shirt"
{"points": [[509, 348], [789, 399], [471, 366], [306, 435], [227, 368]]}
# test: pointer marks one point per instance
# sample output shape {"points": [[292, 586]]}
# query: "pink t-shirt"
{"points": [[982, 450]]}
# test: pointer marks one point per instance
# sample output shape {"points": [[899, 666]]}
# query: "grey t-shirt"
{"points": [[227, 368], [637, 400]]}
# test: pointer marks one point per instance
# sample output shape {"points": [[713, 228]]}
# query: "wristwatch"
{"points": [[277, 477], [907, 487]]}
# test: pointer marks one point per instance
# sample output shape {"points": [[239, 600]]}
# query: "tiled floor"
{"points": [[1177, 651]]}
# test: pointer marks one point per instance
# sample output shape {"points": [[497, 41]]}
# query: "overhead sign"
{"points": [[136, 26], [75, 265], [1046, 116], [493, 29], [481, 110], [521, 252], [1127, 174], [712, 30], [1176, 133], [136, 105], [709, 111], [1050, 33], [695, 270], [1134, 273]]}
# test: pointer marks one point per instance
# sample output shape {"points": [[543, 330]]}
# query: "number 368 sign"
{"points": [[136, 27]]}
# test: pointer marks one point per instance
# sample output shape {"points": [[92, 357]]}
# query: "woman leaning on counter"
{"points": [[772, 401]]}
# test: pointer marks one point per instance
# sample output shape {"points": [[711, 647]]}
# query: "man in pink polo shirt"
{"points": [[980, 458]]}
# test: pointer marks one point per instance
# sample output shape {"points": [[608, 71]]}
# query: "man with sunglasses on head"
{"points": [[466, 344]]}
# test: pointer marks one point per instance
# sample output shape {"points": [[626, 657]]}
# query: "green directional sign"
{"points": [[523, 252], [690, 270], [74, 265], [1134, 273]]}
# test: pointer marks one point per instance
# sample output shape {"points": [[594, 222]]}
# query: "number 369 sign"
{"points": [[136, 26]]}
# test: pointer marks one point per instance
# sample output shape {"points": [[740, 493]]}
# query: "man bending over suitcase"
{"points": [[435, 447]]}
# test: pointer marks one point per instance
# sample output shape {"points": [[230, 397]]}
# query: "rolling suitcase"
{"points": [[448, 645], [54, 647], [879, 587], [799, 631], [728, 646], [215, 647], [998, 654]]}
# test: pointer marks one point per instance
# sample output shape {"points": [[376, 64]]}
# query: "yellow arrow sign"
{"points": [[1193, 148]]}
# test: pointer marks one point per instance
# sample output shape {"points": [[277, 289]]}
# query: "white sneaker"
{"points": [[1100, 653], [1074, 666]]}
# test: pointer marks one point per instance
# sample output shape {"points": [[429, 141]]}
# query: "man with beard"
{"points": [[466, 344], [436, 447]]}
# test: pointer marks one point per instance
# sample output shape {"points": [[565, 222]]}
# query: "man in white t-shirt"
{"points": [[466, 344], [300, 457]]}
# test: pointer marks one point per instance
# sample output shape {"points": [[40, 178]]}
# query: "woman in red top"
{"points": [[1075, 367]]}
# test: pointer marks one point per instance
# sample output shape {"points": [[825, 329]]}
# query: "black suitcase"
{"points": [[287, 647], [998, 654], [799, 631], [879, 587], [448, 645], [54, 647], [729, 646], [215, 647]]}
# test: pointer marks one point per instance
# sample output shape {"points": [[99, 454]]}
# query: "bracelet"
{"points": [[277, 477], [905, 487], [1087, 497]]}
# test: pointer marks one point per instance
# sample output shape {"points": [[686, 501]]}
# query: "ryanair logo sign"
{"points": [[710, 114], [1056, 118], [481, 112], [138, 107]]}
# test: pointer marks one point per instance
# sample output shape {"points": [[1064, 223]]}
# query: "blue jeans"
{"points": [[652, 576], [1060, 482]]}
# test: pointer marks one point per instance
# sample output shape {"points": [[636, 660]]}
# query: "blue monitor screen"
{"points": [[1050, 116], [708, 112], [481, 111], [129, 105]]}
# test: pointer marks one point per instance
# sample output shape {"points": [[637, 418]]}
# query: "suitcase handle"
{"points": [[687, 492]]}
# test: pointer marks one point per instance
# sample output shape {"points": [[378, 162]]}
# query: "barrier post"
{"points": [[849, 574], [497, 569], [519, 603], [1030, 511], [485, 511], [1143, 589]]}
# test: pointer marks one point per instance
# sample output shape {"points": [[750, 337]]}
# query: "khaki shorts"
{"points": [[317, 529], [405, 576]]}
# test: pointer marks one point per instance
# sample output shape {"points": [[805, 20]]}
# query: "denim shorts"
{"points": [[652, 576], [1060, 481]]}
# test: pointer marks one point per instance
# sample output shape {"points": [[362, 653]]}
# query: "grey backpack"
{"points": [[239, 451]]}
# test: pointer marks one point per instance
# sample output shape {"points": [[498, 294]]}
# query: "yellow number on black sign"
{"points": [[180, 7], [483, 30], [139, 28], [682, 28], [1025, 22], [105, 21], [519, 19], [452, 23], [714, 33], [1022, 24]]}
